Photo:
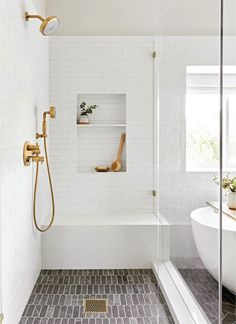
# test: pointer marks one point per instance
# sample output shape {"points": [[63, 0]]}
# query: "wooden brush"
{"points": [[116, 165]]}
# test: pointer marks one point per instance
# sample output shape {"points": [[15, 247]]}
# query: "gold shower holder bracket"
{"points": [[31, 153]]}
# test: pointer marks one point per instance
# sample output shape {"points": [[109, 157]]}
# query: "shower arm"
{"points": [[27, 17]]}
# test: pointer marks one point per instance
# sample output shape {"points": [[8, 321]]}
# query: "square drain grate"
{"points": [[95, 306]]}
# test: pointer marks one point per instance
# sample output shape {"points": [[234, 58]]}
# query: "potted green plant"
{"points": [[229, 184], [85, 110]]}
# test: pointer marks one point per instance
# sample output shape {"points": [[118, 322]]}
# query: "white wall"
{"points": [[23, 93], [40, 7], [102, 65]]}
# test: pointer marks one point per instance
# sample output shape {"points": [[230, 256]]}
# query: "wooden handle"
{"points": [[122, 141]]}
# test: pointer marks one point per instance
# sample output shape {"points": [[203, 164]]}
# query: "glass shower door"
{"points": [[229, 162], [189, 158]]}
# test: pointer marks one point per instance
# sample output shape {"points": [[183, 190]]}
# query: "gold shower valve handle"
{"points": [[31, 147], [34, 149], [31, 153], [38, 159]]}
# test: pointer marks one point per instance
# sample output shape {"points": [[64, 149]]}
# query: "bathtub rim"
{"points": [[229, 224]]}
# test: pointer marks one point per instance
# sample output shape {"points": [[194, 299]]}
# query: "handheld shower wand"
{"points": [[31, 153]]}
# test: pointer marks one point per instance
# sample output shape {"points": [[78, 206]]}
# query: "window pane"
{"points": [[231, 106], [202, 129]]}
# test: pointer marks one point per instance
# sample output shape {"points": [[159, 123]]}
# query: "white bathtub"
{"points": [[205, 225], [101, 241]]}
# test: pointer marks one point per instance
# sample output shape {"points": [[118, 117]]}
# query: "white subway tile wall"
{"points": [[101, 65], [111, 107], [23, 93], [98, 146]]}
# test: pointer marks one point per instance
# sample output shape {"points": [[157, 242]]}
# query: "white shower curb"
{"points": [[183, 306]]}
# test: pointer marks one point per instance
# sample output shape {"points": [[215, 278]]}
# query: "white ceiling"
{"points": [[142, 17]]}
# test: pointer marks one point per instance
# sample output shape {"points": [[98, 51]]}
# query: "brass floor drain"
{"points": [[95, 306]]}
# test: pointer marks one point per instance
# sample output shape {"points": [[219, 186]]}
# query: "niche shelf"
{"points": [[98, 141]]}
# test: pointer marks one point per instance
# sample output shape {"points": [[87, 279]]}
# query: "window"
{"points": [[202, 118]]}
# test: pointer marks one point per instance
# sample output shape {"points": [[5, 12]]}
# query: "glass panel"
{"points": [[229, 165], [189, 154], [202, 129]]}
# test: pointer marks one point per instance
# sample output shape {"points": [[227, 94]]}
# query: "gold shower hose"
{"points": [[51, 189]]}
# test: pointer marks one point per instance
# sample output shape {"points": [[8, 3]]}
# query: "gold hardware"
{"points": [[38, 159], [95, 306], [28, 17], [52, 114], [38, 135], [154, 54], [154, 193], [44, 127], [45, 22], [31, 153], [32, 147], [51, 190]]}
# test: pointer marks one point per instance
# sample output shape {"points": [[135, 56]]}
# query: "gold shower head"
{"points": [[48, 25]]}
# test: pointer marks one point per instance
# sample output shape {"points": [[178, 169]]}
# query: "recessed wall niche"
{"points": [[98, 141]]}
